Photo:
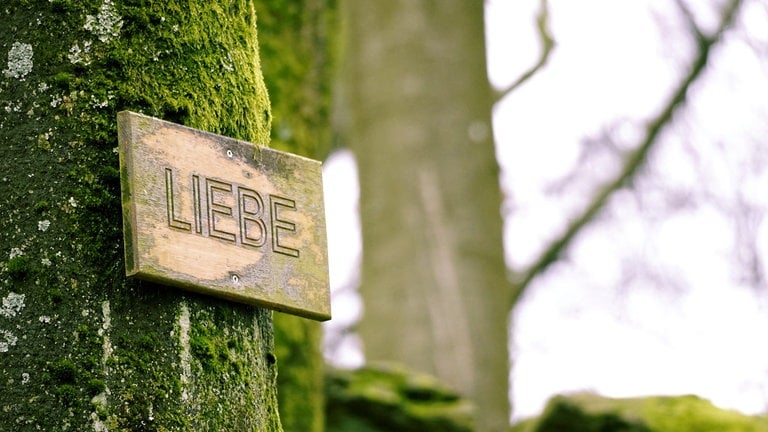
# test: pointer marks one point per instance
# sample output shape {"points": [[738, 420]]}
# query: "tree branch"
{"points": [[547, 45], [690, 20], [634, 159]]}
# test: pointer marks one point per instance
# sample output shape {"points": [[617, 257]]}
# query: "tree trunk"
{"points": [[296, 38], [418, 108], [81, 347]]}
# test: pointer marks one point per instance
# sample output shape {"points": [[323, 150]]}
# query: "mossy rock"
{"points": [[390, 398], [588, 412]]}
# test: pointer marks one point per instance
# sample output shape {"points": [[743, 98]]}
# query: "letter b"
{"points": [[253, 230]]}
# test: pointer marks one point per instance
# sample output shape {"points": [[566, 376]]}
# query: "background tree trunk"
{"points": [[296, 41], [417, 112], [81, 347]]}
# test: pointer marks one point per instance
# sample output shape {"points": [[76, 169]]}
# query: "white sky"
{"points": [[597, 321]]}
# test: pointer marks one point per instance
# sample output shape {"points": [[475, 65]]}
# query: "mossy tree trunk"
{"points": [[434, 284], [81, 347]]}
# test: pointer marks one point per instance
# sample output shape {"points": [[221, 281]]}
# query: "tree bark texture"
{"points": [[81, 347], [417, 111]]}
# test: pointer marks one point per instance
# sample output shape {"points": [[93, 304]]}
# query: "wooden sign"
{"points": [[219, 216]]}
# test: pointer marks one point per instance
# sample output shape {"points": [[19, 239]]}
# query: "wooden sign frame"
{"points": [[222, 217]]}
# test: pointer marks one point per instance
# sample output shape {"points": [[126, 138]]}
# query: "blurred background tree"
{"points": [[415, 109]]}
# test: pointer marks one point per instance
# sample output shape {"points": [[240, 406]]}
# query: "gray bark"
{"points": [[417, 109]]}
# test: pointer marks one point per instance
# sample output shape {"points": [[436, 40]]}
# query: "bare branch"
{"points": [[690, 20], [547, 45], [633, 160]]}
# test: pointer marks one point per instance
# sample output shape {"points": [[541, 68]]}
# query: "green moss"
{"points": [[67, 394], [148, 341], [205, 352], [64, 371], [590, 412], [204, 38], [387, 398], [692, 414], [298, 347], [563, 416], [18, 266], [298, 40], [110, 174], [96, 386], [42, 206], [216, 353], [86, 334], [54, 295]]}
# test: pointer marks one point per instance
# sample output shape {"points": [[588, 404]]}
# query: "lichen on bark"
{"points": [[90, 350]]}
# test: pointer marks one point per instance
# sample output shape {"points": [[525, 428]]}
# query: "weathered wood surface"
{"points": [[218, 216]]}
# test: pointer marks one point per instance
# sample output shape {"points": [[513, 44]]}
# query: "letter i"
{"points": [[198, 204]]}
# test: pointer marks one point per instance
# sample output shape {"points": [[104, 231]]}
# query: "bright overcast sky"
{"points": [[578, 329], [586, 325]]}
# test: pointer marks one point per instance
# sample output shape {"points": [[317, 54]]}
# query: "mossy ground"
{"points": [[586, 412], [381, 398]]}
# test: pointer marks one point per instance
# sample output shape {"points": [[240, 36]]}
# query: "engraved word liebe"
{"points": [[233, 213]]}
